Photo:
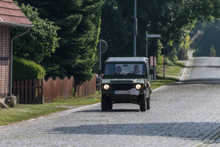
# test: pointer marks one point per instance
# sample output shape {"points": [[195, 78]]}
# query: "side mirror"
{"points": [[151, 71]]}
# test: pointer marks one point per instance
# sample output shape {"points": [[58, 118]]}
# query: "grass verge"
{"points": [[77, 101], [162, 81], [171, 70], [25, 112]]}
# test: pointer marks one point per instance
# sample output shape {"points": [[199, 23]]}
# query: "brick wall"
{"points": [[4, 60]]}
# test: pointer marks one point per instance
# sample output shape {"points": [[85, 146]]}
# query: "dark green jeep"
{"points": [[126, 80]]}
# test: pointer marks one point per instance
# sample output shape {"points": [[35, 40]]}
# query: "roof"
{"points": [[127, 59], [11, 15]]}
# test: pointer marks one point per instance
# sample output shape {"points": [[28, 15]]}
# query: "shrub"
{"points": [[168, 62], [212, 51], [172, 56], [24, 69]]}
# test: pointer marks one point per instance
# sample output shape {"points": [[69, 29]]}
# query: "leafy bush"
{"points": [[168, 62], [159, 56], [41, 41], [172, 56], [212, 51], [24, 69]]}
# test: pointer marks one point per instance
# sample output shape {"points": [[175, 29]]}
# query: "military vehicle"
{"points": [[126, 80]]}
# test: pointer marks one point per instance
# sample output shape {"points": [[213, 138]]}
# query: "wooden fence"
{"points": [[41, 91], [29, 91]]}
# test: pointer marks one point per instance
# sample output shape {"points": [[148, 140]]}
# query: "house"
{"points": [[10, 16]]}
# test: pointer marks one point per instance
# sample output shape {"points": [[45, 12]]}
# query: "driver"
{"points": [[118, 70], [136, 69]]}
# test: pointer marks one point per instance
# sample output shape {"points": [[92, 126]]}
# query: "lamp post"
{"points": [[164, 71], [135, 25]]}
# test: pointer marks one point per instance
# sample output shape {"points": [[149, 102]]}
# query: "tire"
{"points": [[110, 105], [148, 103], [143, 103], [104, 103]]}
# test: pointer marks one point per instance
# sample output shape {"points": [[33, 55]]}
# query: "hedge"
{"points": [[24, 69]]}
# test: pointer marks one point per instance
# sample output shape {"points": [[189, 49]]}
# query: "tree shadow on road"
{"points": [[203, 131], [210, 81]]}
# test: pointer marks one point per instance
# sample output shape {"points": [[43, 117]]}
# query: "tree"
{"points": [[115, 31], [79, 21], [42, 39], [171, 19], [207, 38]]}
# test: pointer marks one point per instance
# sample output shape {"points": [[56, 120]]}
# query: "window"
{"points": [[125, 69]]}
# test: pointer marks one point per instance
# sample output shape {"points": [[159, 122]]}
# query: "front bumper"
{"points": [[122, 98]]}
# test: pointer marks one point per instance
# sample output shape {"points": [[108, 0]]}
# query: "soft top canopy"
{"points": [[126, 59]]}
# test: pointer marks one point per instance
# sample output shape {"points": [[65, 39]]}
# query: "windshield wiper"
{"points": [[115, 74]]}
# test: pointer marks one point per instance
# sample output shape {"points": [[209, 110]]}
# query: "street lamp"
{"points": [[135, 25]]}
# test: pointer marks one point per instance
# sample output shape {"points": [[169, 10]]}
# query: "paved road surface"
{"points": [[182, 114]]}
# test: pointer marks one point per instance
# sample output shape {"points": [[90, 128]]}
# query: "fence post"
{"points": [[26, 91], [34, 91], [22, 92], [14, 88], [30, 91], [42, 98]]}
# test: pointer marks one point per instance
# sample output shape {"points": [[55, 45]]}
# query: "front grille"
{"points": [[122, 86]]}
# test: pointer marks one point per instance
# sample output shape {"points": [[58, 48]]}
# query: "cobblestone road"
{"points": [[182, 114]]}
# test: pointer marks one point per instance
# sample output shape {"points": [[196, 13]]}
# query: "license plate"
{"points": [[122, 92]]}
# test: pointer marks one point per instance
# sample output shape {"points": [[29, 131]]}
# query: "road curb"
{"points": [[183, 76]]}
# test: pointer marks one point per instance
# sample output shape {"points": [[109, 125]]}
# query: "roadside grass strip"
{"points": [[171, 70], [162, 82], [77, 101], [27, 112]]}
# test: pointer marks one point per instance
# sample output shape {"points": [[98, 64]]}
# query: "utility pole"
{"points": [[184, 49], [100, 64], [146, 43], [135, 25], [164, 71]]}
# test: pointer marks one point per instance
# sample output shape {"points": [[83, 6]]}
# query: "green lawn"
{"points": [[77, 101], [171, 70], [162, 81], [25, 112]]}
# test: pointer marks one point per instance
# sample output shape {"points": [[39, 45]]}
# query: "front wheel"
{"points": [[143, 103], [110, 104], [148, 103], [104, 103]]}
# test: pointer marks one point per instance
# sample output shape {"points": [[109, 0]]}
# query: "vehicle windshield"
{"points": [[125, 69]]}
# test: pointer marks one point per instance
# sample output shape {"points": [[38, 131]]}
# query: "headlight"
{"points": [[106, 86], [138, 86]]}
